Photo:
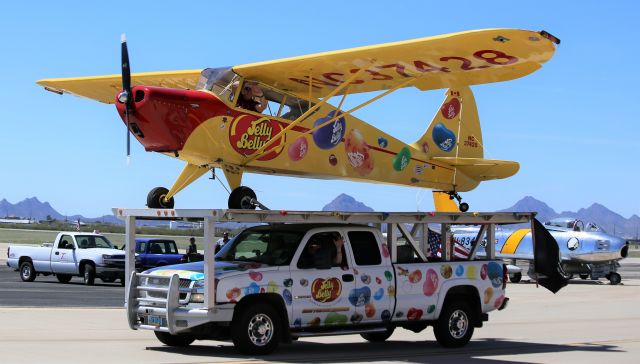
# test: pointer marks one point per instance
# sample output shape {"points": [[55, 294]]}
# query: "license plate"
{"points": [[154, 320]]}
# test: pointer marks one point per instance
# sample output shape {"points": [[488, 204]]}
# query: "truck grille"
{"points": [[163, 282]]}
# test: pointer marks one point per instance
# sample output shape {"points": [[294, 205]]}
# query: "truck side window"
{"points": [[66, 242], [406, 253], [141, 247], [365, 248], [320, 252]]}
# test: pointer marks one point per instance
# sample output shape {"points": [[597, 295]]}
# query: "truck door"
{"points": [[374, 295], [63, 257], [321, 285]]}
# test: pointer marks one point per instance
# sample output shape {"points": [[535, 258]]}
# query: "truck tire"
{"points": [[256, 330], [89, 274], [27, 272], [63, 278], [454, 327], [174, 340], [108, 279], [377, 337]]}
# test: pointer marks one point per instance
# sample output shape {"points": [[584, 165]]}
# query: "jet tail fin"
{"points": [[546, 258]]}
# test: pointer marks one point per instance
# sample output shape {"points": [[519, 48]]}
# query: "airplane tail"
{"points": [[454, 137]]}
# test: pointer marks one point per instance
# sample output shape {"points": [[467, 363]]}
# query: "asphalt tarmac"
{"points": [[587, 322]]}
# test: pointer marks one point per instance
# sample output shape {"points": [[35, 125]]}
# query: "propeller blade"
{"points": [[126, 87]]}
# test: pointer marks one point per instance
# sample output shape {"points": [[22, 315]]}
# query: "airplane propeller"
{"points": [[125, 95]]}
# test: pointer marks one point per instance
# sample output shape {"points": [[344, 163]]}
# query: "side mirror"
{"points": [[115, 247]]}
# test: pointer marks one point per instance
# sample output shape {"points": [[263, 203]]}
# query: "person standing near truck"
{"points": [[222, 241]]}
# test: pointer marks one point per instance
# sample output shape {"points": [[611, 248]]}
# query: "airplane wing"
{"points": [[105, 88], [482, 169], [465, 58]]}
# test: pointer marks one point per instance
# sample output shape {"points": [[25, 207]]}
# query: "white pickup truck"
{"points": [[72, 254], [280, 282]]}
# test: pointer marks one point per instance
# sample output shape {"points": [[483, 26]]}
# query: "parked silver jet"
{"points": [[586, 250]]}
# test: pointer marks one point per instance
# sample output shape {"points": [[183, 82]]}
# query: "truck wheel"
{"points": [[614, 278], [515, 277], [27, 272], [584, 276], [63, 278], [454, 327], [256, 331], [108, 279], [174, 340], [377, 337], [89, 275]]}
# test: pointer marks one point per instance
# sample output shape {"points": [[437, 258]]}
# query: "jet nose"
{"points": [[625, 250]]}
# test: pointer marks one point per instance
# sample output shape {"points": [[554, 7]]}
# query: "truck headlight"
{"points": [[197, 298]]}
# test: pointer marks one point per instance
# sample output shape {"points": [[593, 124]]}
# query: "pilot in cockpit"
{"points": [[252, 97]]}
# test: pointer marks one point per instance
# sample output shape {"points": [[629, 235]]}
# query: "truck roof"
{"points": [[300, 227], [146, 240], [74, 233]]}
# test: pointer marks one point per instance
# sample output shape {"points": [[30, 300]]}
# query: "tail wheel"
{"points": [[257, 330], [27, 272], [156, 199], [89, 275], [242, 198], [454, 327], [464, 207], [174, 340]]}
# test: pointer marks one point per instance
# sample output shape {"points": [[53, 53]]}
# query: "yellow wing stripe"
{"points": [[513, 241]]}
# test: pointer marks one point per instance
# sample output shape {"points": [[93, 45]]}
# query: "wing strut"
{"points": [[302, 117]]}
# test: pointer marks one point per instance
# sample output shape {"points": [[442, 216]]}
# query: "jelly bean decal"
{"points": [[386, 315], [334, 318], [471, 272], [450, 109], [365, 278], [388, 275], [446, 271], [379, 294], [382, 142], [358, 153], [430, 283], [444, 138], [253, 288], [431, 308], [488, 295], [402, 159], [256, 276], [356, 318], [315, 321], [333, 160], [399, 314], [424, 147], [484, 272], [459, 270], [415, 276], [385, 250], [297, 323], [326, 290], [360, 296], [304, 282], [414, 314], [391, 291], [499, 301], [272, 287], [286, 294], [331, 134], [369, 310], [298, 149], [233, 294], [495, 274], [288, 282], [378, 280]]}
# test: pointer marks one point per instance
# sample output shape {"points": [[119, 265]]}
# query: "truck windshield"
{"points": [[266, 247], [93, 241]]}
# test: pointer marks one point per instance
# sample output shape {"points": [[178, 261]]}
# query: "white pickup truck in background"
{"points": [[87, 255]]}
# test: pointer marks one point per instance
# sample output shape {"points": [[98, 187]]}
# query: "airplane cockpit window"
{"points": [[563, 223], [278, 103], [220, 81]]}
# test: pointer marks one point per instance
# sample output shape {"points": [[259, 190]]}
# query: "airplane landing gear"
{"points": [[463, 206], [244, 198], [614, 278], [155, 199]]}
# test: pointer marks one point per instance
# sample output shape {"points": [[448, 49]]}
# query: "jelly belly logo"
{"points": [[248, 134], [326, 290]]}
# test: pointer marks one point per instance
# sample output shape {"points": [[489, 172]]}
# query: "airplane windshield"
{"points": [[219, 81]]}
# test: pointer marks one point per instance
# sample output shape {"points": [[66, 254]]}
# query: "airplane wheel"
{"points": [[464, 207], [241, 197], [515, 277], [614, 278], [155, 199]]}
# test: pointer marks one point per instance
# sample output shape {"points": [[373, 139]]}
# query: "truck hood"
{"points": [[195, 270], [116, 253]]}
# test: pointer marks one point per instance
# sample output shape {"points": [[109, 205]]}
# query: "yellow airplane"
{"points": [[274, 117]]}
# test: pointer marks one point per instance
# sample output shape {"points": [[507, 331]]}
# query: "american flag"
{"points": [[460, 252], [78, 225]]}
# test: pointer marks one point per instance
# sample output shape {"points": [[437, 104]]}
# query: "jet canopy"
{"points": [[571, 224]]}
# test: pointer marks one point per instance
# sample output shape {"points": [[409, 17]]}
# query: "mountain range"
{"points": [[614, 223]]}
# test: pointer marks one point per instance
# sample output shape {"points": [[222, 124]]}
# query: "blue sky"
{"points": [[572, 125]]}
